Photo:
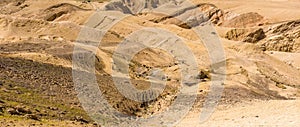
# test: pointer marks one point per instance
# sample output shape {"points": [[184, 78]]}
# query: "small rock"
{"points": [[58, 39], [81, 119], [13, 111], [5, 90], [203, 75], [32, 116], [53, 108], [2, 108], [63, 112], [23, 110], [96, 125]]}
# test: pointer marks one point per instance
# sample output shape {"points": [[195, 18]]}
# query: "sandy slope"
{"points": [[37, 39], [257, 113]]}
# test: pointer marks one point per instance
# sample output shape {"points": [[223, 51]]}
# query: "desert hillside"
{"points": [[41, 42]]}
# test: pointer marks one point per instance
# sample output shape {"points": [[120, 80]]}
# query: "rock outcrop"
{"points": [[245, 20], [246, 35], [178, 12], [283, 37]]}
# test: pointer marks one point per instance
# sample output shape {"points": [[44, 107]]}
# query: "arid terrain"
{"points": [[261, 40]]}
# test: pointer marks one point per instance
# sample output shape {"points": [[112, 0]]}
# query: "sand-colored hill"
{"points": [[260, 39]]}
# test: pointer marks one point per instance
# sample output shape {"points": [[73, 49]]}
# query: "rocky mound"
{"points": [[244, 20], [11, 6], [181, 13], [185, 14], [134, 6], [54, 12], [246, 35], [283, 37], [192, 17]]}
